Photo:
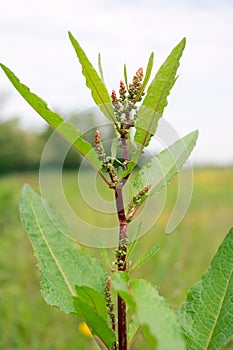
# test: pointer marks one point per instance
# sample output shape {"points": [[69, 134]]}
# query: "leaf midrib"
{"points": [[51, 252], [219, 311]]}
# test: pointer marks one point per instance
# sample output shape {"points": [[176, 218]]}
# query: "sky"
{"points": [[35, 45]]}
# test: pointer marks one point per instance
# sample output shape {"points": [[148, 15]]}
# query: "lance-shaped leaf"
{"points": [[147, 76], [155, 101], [145, 257], [159, 171], [94, 82], [207, 315], [67, 130], [157, 320], [91, 307], [63, 264]]}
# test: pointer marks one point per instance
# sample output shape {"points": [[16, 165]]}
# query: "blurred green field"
{"points": [[26, 322]]}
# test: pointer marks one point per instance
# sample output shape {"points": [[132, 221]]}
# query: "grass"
{"points": [[26, 322]]}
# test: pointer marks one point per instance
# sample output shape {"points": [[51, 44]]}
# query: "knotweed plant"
{"points": [[113, 305]]}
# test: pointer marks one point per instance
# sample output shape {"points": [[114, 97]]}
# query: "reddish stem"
{"points": [[123, 238]]}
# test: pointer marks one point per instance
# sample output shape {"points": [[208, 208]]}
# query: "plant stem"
{"points": [[122, 247], [125, 147]]}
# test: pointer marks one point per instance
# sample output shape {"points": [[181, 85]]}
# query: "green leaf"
{"points": [[63, 264], [147, 76], [146, 256], [67, 130], [154, 315], [91, 307], [126, 77], [155, 101], [120, 282], [132, 329], [131, 165], [157, 319], [207, 316], [160, 170], [100, 68], [94, 83], [92, 298]]}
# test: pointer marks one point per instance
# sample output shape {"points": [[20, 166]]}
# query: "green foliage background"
{"points": [[26, 322]]}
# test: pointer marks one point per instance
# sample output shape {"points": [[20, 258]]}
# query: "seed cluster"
{"points": [[109, 302], [120, 254], [99, 148], [125, 106]]}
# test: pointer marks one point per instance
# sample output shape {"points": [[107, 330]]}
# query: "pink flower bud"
{"points": [[114, 96], [122, 85]]}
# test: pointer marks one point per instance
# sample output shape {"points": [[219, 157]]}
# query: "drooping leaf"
{"points": [[146, 256], [94, 83], [156, 317], [147, 76], [157, 320], [207, 315], [91, 307], [67, 130], [159, 171], [155, 101], [63, 264]]}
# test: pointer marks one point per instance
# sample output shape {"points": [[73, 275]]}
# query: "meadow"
{"points": [[27, 323]]}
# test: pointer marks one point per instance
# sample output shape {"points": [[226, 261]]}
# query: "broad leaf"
{"points": [[207, 315], [157, 320], [145, 257], [68, 130], [155, 101], [91, 307], [159, 171], [94, 82], [133, 327], [63, 264], [147, 76], [156, 317]]}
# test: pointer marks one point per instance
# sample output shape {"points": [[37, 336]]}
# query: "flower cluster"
{"points": [[125, 105]]}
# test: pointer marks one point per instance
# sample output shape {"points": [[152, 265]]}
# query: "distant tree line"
{"points": [[21, 150]]}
